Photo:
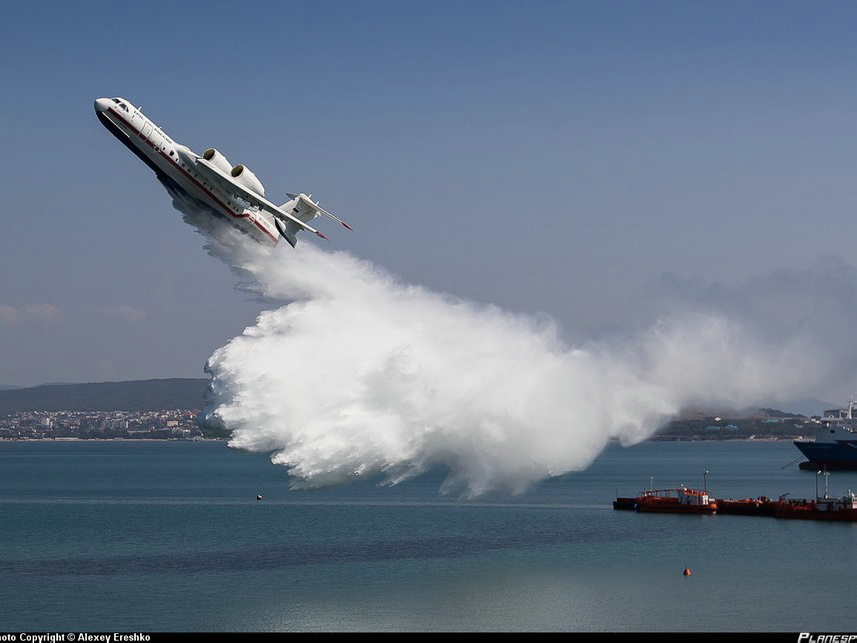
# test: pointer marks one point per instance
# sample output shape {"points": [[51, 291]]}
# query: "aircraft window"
{"points": [[115, 100]]}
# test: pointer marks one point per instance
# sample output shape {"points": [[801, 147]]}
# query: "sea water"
{"points": [[170, 536]]}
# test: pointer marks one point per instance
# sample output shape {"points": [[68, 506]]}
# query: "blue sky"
{"points": [[544, 156]]}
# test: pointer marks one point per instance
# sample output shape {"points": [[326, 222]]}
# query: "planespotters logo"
{"points": [[806, 637]]}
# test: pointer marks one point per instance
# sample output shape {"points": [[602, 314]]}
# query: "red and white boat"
{"points": [[680, 500]]}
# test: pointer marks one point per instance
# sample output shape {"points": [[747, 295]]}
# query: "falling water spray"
{"points": [[355, 374]]}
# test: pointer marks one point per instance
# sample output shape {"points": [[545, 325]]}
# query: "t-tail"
{"points": [[301, 207]]}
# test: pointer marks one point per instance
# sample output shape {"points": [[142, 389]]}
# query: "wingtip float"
{"points": [[233, 192]]}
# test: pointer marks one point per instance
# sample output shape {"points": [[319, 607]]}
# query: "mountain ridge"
{"points": [[129, 395]]}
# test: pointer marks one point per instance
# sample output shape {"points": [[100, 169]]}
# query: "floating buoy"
{"points": [[258, 496], [686, 571]]}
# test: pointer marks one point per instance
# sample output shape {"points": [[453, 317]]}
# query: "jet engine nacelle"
{"points": [[246, 178], [217, 160]]}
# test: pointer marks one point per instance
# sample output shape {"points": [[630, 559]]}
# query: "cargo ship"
{"points": [[835, 444]]}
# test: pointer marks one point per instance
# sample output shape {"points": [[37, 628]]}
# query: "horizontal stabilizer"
{"points": [[306, 204]]}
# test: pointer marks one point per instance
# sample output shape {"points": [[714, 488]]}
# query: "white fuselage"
{"points": [[174, 163]]}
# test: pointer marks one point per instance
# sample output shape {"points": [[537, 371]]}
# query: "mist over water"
{"points": [[353, 373]]}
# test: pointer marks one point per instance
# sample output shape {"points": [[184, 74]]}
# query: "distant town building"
{"points": [[163, 424]]}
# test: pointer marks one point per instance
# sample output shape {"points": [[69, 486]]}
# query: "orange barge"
{"points": [[691, 501], [747, 506], [842, 509], [674, 501]]}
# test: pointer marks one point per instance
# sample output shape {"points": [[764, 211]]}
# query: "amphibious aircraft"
{"points": [[233, 192]]}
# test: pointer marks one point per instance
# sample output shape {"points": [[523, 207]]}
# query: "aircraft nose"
{"points": [[101, 104]]}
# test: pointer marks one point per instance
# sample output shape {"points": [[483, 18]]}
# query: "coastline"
{"points": [[73, 439], [224, 439], [749, 439]]}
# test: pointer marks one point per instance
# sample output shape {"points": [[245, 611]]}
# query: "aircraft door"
{"points": [[146, 131]]}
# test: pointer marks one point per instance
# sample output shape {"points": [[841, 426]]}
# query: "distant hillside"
{"points": [[138, 395]]}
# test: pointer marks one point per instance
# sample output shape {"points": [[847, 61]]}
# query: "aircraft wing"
{"points": [[220, 177]]}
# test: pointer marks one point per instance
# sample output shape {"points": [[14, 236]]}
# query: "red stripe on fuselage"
{"points": [[223, 206]]}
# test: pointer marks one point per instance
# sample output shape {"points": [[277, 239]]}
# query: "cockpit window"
{"points": [[115, 100]]}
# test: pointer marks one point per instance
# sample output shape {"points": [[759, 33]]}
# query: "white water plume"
{"points": [[357, 374]]}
